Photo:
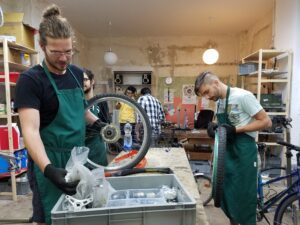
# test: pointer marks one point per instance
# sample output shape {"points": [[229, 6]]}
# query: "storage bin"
{"points": [[4, 145], [22, 184], [13, 77], [181, 213], [249, 67]]}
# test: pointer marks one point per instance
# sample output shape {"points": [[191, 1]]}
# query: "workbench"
{"points": [[199, 145], [176, 159]]}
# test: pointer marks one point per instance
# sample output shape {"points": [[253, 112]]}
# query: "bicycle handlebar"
{"points": [[290, 146]]}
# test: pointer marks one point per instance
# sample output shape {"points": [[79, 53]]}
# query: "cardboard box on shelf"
{"points": [[14, 56], [13, 26], [4, 137]]}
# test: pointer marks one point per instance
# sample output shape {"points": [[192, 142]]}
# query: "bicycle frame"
{"points": [[295, 187]]}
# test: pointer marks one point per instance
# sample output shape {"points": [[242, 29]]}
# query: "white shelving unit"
{"points": [[11, 61], [138, 79], [274, 72]]}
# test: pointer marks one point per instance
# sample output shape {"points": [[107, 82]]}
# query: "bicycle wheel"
{"points": [[204, 187], [218, 165], [270, 190], [288, 212], [111, 132]]}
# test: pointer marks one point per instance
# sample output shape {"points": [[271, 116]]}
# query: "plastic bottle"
{"points": [[127, 137]]}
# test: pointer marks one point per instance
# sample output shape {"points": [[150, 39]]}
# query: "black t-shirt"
{"points": [[34, 90]]}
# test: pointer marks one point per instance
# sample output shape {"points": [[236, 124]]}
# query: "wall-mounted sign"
{"points": [[188, 94]]}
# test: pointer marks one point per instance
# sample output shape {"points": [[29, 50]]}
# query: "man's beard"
{"points": [[55, 64], [87, 90]]}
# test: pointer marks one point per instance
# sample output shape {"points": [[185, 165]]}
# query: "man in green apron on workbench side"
{"points": [[50, 102], [242, 115], [93, 140]]}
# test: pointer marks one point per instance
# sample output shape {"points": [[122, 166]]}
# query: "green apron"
{"points": [[239, 190], [96, 145], [59, 137]]}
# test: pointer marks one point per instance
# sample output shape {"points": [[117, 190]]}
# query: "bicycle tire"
{"points": [[219, 165], [204, 186], [112, 121], [285, 210]]}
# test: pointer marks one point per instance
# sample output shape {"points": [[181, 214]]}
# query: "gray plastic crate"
{"points": [[181, 213]]}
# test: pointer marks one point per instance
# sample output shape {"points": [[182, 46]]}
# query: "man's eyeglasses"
{"points": [[55, 53], [129, 93], [85, 79]]}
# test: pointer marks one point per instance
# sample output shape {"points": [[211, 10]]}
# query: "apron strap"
{"points": [[52, 81], [226, 102]]}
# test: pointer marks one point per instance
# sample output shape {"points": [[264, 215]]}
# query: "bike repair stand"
{"points": [[289, 155]]}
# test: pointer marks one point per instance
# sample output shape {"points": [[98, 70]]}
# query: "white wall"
{"points": [[165, 56], [287, 36]]}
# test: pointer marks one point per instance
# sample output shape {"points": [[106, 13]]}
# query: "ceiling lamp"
{"points": [[110, 58], [210, 56]]}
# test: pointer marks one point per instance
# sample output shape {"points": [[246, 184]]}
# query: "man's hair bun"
{"points": [[52, 10]]}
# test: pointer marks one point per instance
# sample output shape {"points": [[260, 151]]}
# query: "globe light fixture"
{"points": [[210, 56], [110, 57]]}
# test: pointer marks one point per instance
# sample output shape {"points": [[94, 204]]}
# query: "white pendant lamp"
{"points": [[110, 58], [210, 56]]}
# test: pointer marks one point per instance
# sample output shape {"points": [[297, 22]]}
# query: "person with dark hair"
{"points": [[50, 102], [93, 140], [154, 111], [239, 112], [145, 91], [127, 113]]}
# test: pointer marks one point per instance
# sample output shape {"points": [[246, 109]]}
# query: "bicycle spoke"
{"points": [[291, 215], [111, 130]]}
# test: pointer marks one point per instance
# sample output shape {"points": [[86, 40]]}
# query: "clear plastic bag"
{"points": [[102, 189], [92, 184], [77, 171]]}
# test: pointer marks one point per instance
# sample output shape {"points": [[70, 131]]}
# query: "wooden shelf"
{"points": [[277, 113], [272, 67], [7, 65], [270, 133], [274, 80], [272, 144], [10, 83], [17, 67], [18, 47], [15, 150], [17, 173], [264, 73], [5, 115], [268, 81], [132, 84], [266, 54]]}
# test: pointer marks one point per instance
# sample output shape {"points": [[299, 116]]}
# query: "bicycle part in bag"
{"points": [[77, 204], [219, 165]]}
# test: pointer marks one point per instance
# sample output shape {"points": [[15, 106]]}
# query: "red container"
{"points": [[4, 137], [13, 77]]}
